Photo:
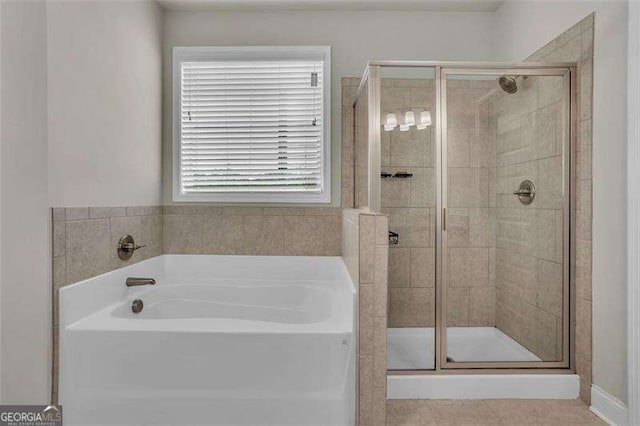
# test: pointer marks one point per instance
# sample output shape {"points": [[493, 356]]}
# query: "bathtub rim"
{"points": [[103, 292]]}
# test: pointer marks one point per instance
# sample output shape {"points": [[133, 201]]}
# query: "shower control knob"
{"points": [[526, 192]]}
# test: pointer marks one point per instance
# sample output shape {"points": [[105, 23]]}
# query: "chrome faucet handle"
{"points": [[126, 247]]}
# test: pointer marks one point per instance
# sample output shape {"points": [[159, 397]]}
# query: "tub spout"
{"points": [[133, 282]]}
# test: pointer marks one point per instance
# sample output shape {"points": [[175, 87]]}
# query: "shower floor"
{"points": [[411, 348]]}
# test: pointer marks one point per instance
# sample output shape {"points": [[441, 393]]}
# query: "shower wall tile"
{"points": [[366, 255], [423, 267], [409, 307], [523, 151], [457, 306], [399, 267], [482, 306], [471, 152], [468, 267]]}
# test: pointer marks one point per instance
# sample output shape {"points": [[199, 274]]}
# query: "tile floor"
{"points": [[490, 412]]}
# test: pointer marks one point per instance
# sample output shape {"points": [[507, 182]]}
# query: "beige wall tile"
{"points": [[409, 307], [263, 235], [517, 274], [468, 187], [184, 233], [411, 148], [458, 227], [458, 147], [546, 339], [394, 98], [457, 306], [550, 289], [151, 235], [583, 329], [367, 247], [395, 192], [468, 267], [104, 212], [380, 351], [88, 249], [423, 267], [59, 275], [399, 267], [381, 269], [304, 236], [380, 406], [59, 236], [58, 214], [482, 306], [365, 319], [423, 188], [77, 213]]}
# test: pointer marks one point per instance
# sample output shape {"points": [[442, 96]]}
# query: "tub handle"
{"points": [[126, 247]]}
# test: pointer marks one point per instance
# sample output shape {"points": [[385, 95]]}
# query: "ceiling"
{"points": [[267, 5]]}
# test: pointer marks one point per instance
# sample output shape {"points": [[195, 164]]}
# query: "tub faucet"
{"points": [[133, 282]]}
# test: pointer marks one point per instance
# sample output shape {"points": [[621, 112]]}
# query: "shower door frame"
{"points": [[443, 68]]}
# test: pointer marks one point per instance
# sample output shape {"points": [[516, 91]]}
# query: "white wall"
{"points": [[89, 74], [522, 27], [104, 87], [354, 37], [25, 265]]}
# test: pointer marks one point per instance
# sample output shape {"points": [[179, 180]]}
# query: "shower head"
{"points": [[508, 84]]}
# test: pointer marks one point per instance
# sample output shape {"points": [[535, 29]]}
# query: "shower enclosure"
{"points": [[473, 164]]}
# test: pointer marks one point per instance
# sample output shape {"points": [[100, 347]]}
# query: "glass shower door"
{"points": [[408, 196], [505, 215]]}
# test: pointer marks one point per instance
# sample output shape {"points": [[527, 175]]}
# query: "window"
{"points": [[251, 124]]}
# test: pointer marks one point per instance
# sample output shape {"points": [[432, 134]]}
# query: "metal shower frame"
{"points": [[371, 80]]}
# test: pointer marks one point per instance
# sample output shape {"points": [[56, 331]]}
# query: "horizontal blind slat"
{"points": [[251, 126]]}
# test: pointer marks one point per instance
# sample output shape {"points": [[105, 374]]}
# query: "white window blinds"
{"points": [[251, 126]]}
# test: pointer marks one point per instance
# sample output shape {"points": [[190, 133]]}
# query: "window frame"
{"points": [[266, 53]]}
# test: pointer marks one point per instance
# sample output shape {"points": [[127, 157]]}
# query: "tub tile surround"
{"points": [[365, 248], [84, 241], [252, 230]]}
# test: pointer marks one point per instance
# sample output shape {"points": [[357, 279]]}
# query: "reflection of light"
{"points": [[409, 118], [425, 120], [391, 123]]}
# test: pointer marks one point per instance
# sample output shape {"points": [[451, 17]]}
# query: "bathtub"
{"points": [[221, 340]]}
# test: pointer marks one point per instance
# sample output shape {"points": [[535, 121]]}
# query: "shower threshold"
{"points": [[412, 348]]}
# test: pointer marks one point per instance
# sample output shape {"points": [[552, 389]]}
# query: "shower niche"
{"points": [[472, 163]]}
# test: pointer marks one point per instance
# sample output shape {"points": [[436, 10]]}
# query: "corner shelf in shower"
{"points": [[399, 175]]}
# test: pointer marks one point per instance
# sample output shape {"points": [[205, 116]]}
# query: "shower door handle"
{"points": [[444, 219]]}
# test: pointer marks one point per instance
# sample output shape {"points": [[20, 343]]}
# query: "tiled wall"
{"points": [[365, 247], [84, 241], [252, 230], [470, 295], [576, 44], [410, 204], [529, 238]]}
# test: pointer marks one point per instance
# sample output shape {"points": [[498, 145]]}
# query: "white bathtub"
{"points": [[221, 340]]}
